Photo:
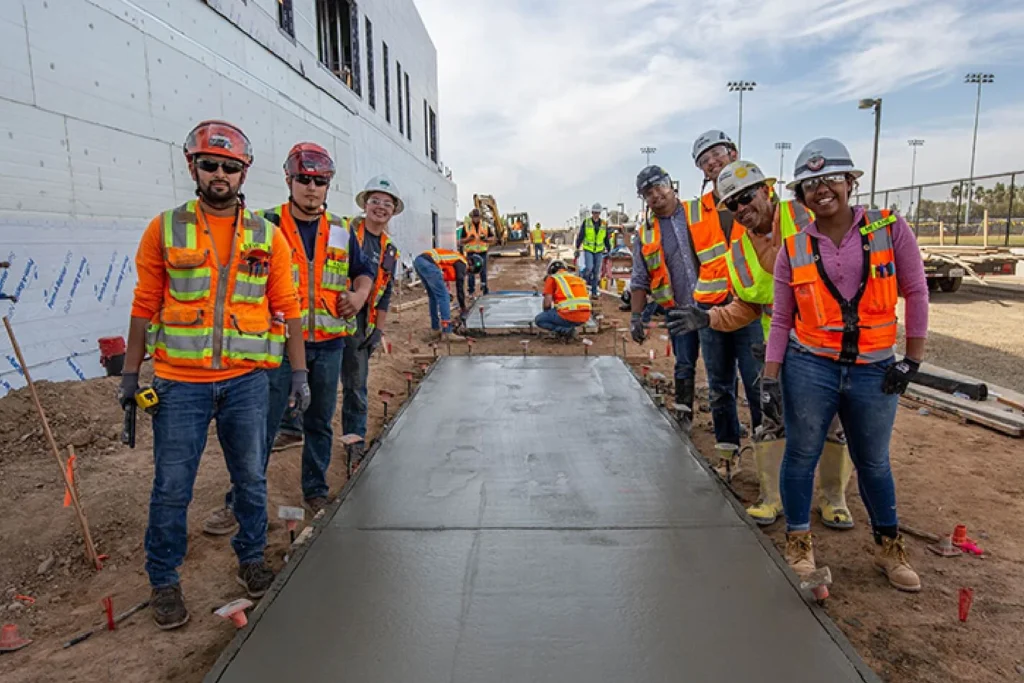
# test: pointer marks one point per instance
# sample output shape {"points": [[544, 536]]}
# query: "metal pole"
{"points": [[974, 147], [739, 143], [874, 159], [1009, 213]]}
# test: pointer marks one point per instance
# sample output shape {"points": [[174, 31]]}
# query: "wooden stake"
{"points": [[984, 230], [90, 549]]}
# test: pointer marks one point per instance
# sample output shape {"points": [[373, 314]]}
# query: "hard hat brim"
{"points": [[769, 182], [855, 172], [361, 200]]}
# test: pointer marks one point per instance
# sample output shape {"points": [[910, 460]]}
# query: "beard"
{"points": [[219, 196]]}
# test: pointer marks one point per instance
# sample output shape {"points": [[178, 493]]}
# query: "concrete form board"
{"points": [[648, 580]]}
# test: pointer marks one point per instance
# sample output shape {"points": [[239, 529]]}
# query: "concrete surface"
{"points": [[509, 530], [508, 311]]}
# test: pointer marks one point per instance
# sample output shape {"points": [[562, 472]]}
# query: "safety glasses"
{"points": [[811, 184], [743, 198], [383, 203], [229, 166], [303, 179]]}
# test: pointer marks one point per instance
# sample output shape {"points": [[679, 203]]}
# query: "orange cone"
{"points": [[960, 534], [10, 640]]}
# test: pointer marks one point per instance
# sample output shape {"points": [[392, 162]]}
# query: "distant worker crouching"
{"points": [[566, 305]]}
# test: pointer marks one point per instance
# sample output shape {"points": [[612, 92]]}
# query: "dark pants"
{"points": [[355, 369], [538, 252], [438, 299], [483, 277], [552, 322], [180, 426], [723, 353], [686, 348]]}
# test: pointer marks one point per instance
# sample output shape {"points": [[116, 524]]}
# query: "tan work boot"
{"points": [[800, 553], [834, 470], [452, 337], [768, 458], [220, 522], [891, 559]]}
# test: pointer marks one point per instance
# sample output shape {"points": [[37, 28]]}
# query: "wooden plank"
{"points": [[410, 304], [1008, 423], [1013, 398]]}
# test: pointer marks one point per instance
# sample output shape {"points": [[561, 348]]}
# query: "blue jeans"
{"points": [[433, 281], [552, 322], [538, 252], [686, 349], [592, 269], [723, 352], [483, 277], [355, 369], [324, 373], [179, 437], [814, 389]]}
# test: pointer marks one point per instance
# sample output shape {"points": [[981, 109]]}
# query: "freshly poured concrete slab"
{"points": [[537, 519], [508, 311]]}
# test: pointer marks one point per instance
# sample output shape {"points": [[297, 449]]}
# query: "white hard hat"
{"points": [[596, 208], [821, 157], [383, 184], [737, 177], [708, 140]]}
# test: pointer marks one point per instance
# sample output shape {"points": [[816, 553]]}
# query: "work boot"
{"points": [[800, 553], [168, 605], [891, 559], [316, 504], [284, 441], [728, 458], [220, 522], [834, 470], [256, 577], [354, 455], [452, 337], [768, 459], [684, 403]]}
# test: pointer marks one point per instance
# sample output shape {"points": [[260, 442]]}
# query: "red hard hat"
{"points": [[218, 138], [309, 158]]}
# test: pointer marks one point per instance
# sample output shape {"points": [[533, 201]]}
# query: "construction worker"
{"points": [[325, 260], [592, 239], [713, 230], [748, 194], [436, 267], [831, 343], [566, 305], [665, 265], [380, 200], [476, 237], [212, 305], [537, 237]]}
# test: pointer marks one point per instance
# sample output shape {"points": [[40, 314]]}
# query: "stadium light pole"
{"points": [[782, 147], [980, 79], [875, 104], [740, 87], [648, 151]]}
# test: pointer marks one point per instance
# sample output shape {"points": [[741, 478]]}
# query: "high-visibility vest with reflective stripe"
{"points": [[445, 259], [319, 282], [748, 280], [594, 236], [654, 259], [215, 317], [537, 235], [477, 235], [380, 283], [867, 331], [571, 293], [710, 244]]}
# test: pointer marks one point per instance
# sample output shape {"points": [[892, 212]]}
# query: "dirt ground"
{"points": [[946, 473]]}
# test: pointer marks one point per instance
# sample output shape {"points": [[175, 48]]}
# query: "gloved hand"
{"points": [[898, 376], [636, 328], [771, 399], [298, 395], [686, 320], [126, 392], [372, 341]]}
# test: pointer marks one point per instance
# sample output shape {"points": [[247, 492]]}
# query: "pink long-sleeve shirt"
{"points": [[844, 265]]}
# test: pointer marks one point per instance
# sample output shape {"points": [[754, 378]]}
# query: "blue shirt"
{"points": [[679, 259]]}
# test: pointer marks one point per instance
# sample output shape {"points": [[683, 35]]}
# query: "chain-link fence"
{"points": [[951, 213]]}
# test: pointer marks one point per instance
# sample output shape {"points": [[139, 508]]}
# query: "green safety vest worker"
{"points": [[749, 281], [537, 235], [594, 237]]}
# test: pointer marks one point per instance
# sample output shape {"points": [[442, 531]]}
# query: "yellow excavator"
{"points": [[513, 236]]}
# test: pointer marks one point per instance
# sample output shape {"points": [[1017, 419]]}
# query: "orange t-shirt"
{"points": [[551, 289], [152, 279]]}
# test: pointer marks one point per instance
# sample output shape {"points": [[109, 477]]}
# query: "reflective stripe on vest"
{"points": [[654, 258], [711, 247], [570, 301], [477, 235], [537, 235], [380, 283], [594, 237]]}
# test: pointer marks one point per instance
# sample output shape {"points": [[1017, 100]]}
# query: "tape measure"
{"points": [[147, 399]]}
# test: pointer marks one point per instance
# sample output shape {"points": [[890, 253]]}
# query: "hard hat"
{"points": [[380, 183], [708, 140], [474, 213], [556, 266], [737, 177], [476, 263], [651, 176], [309, 158], [821, 157], [538, 225], [218, 138], [596, 208]]}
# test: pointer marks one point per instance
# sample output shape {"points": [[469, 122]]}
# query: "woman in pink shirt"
{"points": [[830, 344]]}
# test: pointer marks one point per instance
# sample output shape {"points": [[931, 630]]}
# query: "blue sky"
{"points": [[546, 104]]}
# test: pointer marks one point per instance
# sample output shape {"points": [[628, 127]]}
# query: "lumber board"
{"points": [[1012, 398], [980, 412]]}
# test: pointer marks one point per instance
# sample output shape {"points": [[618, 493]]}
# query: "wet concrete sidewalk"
{"points": [[536, 519]]}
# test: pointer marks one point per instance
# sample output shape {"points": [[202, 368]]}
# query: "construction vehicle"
{"points": [[509, 242]]}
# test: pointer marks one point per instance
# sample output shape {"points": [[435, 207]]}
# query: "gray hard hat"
{"points": [[821, 157], [709, 139]]}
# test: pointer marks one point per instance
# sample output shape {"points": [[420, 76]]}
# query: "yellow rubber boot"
{"points": [[800, 553], [728, 456], [834, 470], [768, 458]]}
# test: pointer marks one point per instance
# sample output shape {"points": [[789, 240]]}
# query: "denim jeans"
{"points": [[592, 269], [437, 294], [686, 349], [723, 352], [180, 426], [538, 252], [814, 390], [324, 373], [552, 322], [483, 277], [355, 369]]}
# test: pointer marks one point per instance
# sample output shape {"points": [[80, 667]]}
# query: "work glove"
{"points": [[757, 351], [129, 386], [298, 396], [685, 320], [771, 400], [898, 376], [371, 342], [636, 328]]}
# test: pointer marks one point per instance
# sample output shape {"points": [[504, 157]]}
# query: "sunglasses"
{"points": [[743, 198], [811, 184], [383, 203], [228, 166], [303, 179]]}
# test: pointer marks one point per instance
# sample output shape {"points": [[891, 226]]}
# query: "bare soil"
{"points": [[946, 473]]}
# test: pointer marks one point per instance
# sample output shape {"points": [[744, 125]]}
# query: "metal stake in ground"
{"points": [[483, 327], [90, 548]]}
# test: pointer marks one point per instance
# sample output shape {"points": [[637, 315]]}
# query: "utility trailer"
{"points": [[947, 266]]}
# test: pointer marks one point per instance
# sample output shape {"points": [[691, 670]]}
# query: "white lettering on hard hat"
{"points": [[816, 163]]}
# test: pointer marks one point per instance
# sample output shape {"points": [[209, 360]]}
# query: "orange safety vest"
{"points": [[385, 264], [654, 259], [571, 295], [710, 244], [321, 280], [445, 259], [863, 329], [476, 236], [215, 317]]}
